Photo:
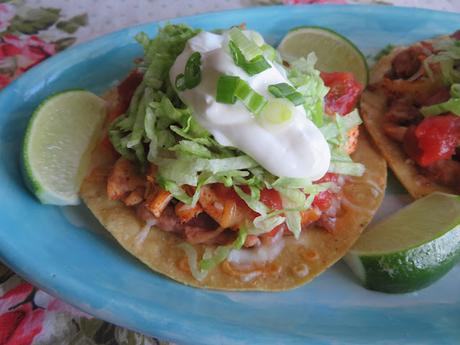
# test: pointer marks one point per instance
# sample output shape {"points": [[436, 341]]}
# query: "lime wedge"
{"points": [[412, 248], [59, 139], [335, 52]]}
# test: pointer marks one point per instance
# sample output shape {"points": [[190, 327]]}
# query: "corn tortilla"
{"points": [[373, 108], [293, 267]]}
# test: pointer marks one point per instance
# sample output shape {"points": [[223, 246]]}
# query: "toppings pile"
{"points": [[175, 174], [423, 93]]}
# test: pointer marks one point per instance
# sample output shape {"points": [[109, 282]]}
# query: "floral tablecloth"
{"points": [[31, 31]]}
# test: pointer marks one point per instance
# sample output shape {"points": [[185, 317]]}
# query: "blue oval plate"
{"points": [[64, 251]]}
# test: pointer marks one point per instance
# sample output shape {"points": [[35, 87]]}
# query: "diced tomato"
{"points": [[271, 198], [281, 227], [433, 139], [329, 177], [229, 193], [324, 199], [343, 94], [125, 92]]}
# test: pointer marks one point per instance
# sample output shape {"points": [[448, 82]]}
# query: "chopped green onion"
{"points": [[252, 67], [284, 90], [192, 73], [251, 99], [271, 53], [180, 82], [277, 111], [231, 88], [226, 89], [256, 38], [246, 46]]}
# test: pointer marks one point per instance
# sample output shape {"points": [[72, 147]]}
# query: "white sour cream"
{"points": [[297, 149]]}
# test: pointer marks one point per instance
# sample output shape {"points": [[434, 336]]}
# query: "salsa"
{"points": [[344, 91], [415, 82]]}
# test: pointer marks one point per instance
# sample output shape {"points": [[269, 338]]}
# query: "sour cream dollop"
{"points": [[297, 149]]}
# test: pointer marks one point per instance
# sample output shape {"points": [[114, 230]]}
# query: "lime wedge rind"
{"points": [[420, 263], [407, 271]]}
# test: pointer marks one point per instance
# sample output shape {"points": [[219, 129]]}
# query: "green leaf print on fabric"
{"points": [[126, 337], [71, 26], [105, 335], [63, 43], [32, 20]]}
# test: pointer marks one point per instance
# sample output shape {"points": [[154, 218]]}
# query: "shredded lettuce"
{"points": [[222, 252], [452, 105], [266, 223], [448, 56], [308, 82], [291, 182], [295, 201], [347, 168], [252, 200], [192, 258]]}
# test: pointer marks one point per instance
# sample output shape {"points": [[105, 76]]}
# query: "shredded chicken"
{"points": [[186, 212], [158, 201], [123, 179], [135, 197], [213, 205]]}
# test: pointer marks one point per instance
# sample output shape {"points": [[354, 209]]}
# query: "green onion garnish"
{"points": [[252, 67], [231, 88], [247, 47], [284, 90], [226, 89], [277, 111], [192, 73], [180, 82], [270, 53], [251, 99]]}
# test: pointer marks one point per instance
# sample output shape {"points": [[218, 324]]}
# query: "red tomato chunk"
{"points": [[324, 199], [343, 94], [433, 139]]}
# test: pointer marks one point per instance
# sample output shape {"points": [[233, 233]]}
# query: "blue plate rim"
{"points": [[178, 328]]}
